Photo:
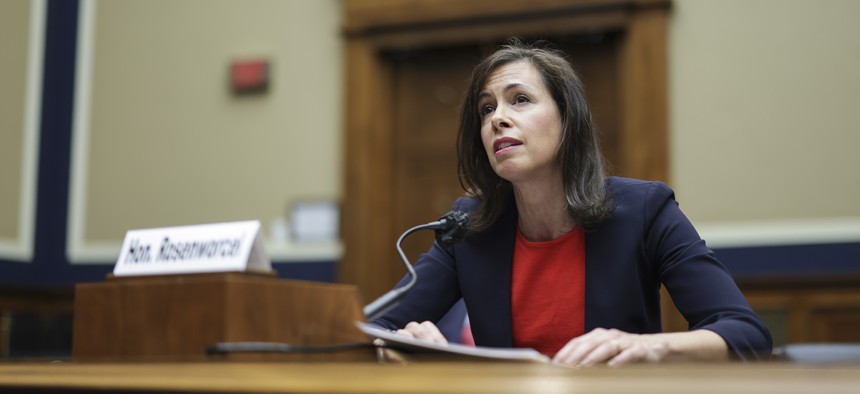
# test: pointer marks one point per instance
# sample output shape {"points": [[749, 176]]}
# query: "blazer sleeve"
{"points": [[435, 291], [701, 287]]}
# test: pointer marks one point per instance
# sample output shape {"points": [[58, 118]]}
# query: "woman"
{"points": [[559, 257]]}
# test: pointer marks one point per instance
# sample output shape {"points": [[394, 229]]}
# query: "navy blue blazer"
{"points": [[645, 242]]}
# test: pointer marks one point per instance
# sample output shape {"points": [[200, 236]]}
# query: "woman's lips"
{"points": [[503, 145]]}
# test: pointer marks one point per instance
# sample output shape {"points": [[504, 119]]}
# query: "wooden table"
{"points": [[426, 377]]}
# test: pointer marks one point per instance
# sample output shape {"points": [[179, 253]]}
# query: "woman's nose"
{"points": [[500, 119]]}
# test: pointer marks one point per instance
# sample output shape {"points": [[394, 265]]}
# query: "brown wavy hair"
{"points": [[578, 155]]}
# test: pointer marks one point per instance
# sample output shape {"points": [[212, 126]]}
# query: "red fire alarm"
{"points": [[249, 76]]}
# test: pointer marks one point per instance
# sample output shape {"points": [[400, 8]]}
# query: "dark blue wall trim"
{"points": [[792, 260], [50, 267], [317, 271]]}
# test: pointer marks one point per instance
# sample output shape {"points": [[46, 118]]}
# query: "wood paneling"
{"points": [[812, 309], [177, 317], [797, 310], [644, 144], [367, 219], [370, 16]]}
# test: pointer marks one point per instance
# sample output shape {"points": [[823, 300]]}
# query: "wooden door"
{"points": [[428, 87]]}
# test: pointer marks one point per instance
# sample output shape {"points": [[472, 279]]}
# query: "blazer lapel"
{"points": [[490, 254], [595, 274]]}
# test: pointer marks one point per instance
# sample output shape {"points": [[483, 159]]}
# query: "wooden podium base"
{"points": [[175, 318]]}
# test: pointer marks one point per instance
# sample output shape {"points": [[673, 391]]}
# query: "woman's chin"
{"points": [[512, 174]]}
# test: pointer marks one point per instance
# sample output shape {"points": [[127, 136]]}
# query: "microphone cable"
{"points": [[224, 348]]}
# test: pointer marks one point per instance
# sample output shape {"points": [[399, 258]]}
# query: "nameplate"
{"points": [[221, 247]]}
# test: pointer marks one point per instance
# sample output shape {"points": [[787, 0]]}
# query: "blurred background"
{"points": [[123, 114]]}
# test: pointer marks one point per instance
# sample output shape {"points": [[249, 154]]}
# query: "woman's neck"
{"points": [[542, 208]]}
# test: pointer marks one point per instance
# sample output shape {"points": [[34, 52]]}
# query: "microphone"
{"points": [[450, 229], [455, 225]]}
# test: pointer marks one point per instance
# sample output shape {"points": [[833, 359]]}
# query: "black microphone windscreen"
{"points": [[455, 227]]}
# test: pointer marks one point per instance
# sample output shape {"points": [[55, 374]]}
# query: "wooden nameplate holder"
{"points": [[176, 317]]}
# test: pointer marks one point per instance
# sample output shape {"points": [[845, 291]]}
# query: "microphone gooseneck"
{"points": [[450, 229]]}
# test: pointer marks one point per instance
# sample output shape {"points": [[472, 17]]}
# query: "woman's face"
{"points": [[520, 123]]}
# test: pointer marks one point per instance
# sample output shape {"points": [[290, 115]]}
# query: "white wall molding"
{"points": [[76, 249], [780, 232]]}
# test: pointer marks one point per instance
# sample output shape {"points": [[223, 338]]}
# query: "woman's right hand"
{"points": [[426, 331]]}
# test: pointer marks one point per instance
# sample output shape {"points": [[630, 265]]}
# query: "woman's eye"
{"points": [[487, 109], [521, 98]]}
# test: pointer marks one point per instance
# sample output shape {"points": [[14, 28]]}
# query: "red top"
{"points": [[548, 292]]}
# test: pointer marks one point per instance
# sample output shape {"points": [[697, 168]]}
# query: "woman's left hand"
{"points": [[612, 346]]}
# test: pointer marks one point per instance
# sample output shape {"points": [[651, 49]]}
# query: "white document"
{"points": [[412, 345]]}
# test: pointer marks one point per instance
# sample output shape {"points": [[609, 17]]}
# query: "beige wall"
{"points": [[764, 118], [14, 38], [167, 144], [21, 44]]}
